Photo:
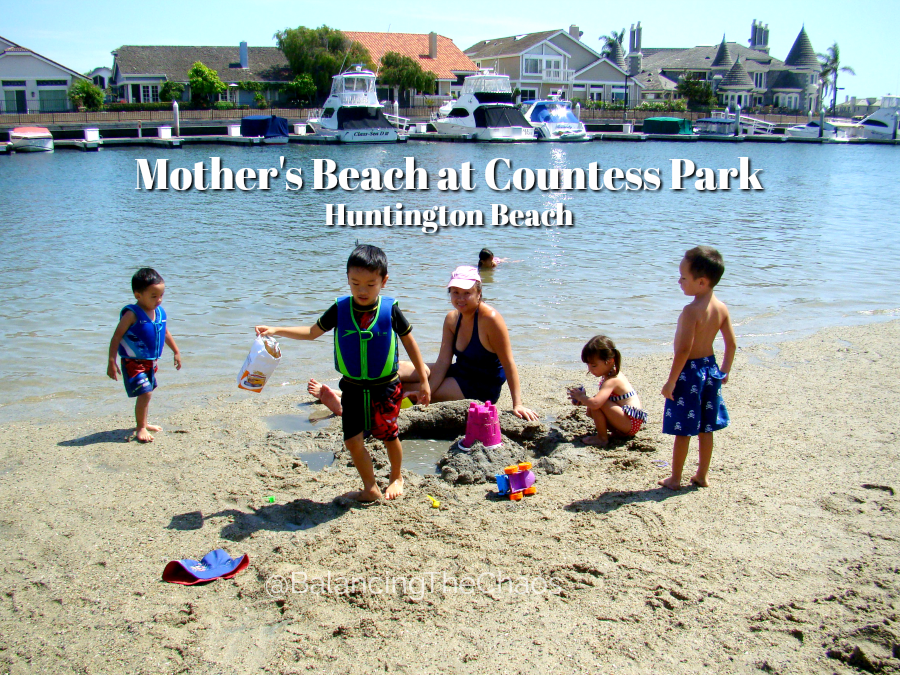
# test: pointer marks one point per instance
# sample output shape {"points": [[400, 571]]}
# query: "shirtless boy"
{"points": [[694, 405]]}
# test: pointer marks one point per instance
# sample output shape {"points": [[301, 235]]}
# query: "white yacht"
{"points": [[554, 120], [485, 111], [879, 126], [352, 113], [30, 139]]}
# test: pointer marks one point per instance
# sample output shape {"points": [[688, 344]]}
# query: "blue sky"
{"points": [[81, 35]]}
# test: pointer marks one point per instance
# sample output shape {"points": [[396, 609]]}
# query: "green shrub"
{"points": [[223, 105]]}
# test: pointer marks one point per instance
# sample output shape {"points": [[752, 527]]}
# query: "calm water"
{"points": [[817, 247]]}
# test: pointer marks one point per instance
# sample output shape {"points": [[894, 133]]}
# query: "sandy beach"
{"points": [[788, 563]]}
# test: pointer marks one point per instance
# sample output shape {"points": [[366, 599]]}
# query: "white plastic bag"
{"points": [[260, 364]]}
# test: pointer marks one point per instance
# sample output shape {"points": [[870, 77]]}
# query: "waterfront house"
{"points": [[857, 107], [139, 72], [31, 82], [557, 60], [433, 52], [748, 76]]}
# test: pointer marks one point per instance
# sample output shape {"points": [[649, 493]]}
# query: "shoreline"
{"points": [[186, 395], [787, 563]]}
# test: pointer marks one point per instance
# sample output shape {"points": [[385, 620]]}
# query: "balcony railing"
{"points": [[551, 75]]}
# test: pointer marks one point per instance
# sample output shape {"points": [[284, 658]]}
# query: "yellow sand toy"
{"points": [[434, 502]]}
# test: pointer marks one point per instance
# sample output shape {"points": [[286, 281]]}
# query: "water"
{"points": [[817, 247]]}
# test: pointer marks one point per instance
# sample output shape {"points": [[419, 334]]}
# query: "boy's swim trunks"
{"points": [[371, 409], [697, 406], [139, 376]]}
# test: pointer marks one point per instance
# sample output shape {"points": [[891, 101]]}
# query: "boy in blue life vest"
{"points": [[366, 327], [139, 340]]}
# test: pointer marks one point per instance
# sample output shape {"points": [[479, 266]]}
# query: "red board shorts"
{"points": [[139, 376], [371, 410]]}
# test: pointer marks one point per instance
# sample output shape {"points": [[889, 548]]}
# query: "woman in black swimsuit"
{"points": [[476, 335]]}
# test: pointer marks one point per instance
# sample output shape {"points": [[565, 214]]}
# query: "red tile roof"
{"points": [[450, 59]]}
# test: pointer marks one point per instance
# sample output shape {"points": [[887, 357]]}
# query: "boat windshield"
{"points": [[487, 83], [553, 112], [353, 84]]}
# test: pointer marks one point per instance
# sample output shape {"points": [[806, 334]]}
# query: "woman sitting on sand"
{"points": [[477, 336]]}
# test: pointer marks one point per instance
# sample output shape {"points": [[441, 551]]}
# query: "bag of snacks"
{"points": [[260, 364]]}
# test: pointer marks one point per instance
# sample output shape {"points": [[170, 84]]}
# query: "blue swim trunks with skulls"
{"points": [[697, 406]]}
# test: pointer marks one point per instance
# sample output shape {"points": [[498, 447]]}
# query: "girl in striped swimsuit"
{"points": [[616, 406]]}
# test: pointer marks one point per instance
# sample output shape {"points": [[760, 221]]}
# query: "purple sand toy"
{"points": [[482, 424]]}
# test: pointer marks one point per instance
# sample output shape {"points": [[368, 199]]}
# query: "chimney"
{"points": [[245, 59], [574, 32], [634, 42], [753, 34], [432, 45]]}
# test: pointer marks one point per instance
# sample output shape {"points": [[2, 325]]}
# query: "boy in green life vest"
{"points": [[366, 327]]}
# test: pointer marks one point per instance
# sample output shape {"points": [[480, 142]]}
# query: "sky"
{"points": [[81, 35]]}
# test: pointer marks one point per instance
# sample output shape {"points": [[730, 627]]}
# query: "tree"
{"points": [[171, 91], [697, 92], [831, 66], [86, 93], [205, 83], [609, 40], [405, 73], [300, 90], [320, 53]]}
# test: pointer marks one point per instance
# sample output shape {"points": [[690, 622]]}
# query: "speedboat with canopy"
{"points": [[553, 120]]}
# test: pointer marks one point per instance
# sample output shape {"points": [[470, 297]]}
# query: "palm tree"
{"points": [[831, 66], [610, 40]]}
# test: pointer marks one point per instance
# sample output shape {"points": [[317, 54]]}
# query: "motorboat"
{"points": [[485, 111], [352, 112], [31, 139], [879, 126], [269, 129], [811, 130], [553, 119]]}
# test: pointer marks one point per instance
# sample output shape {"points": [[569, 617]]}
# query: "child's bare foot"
{"points": [[141, 435], [699, 482], [373, 494], [595, 441], [394, 490], [326, 395], [153, 427], [670, 483]]}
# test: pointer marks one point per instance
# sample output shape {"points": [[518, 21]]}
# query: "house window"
{"points": [[533, 66], [759, 80], [528, 94], [149, 93], [13, 83], [52, 83]]}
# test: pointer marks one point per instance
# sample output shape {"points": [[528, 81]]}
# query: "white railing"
{"points": [[551, 75], [402, 123], [355, 99]]}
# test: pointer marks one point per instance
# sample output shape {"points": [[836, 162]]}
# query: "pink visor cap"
{"points": [[464, 277]]}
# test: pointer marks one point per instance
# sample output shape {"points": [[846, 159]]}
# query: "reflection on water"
{"points": [[816, 247]]}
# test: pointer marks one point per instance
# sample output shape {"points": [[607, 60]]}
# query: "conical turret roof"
{"points": [[617, 55], [802, 54], [723, 56], [737, 77]]}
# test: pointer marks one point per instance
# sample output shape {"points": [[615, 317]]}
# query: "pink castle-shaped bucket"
{"points": [[482, 424]]}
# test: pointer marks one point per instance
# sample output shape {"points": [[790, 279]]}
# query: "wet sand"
{"points": [[788, 563]]}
